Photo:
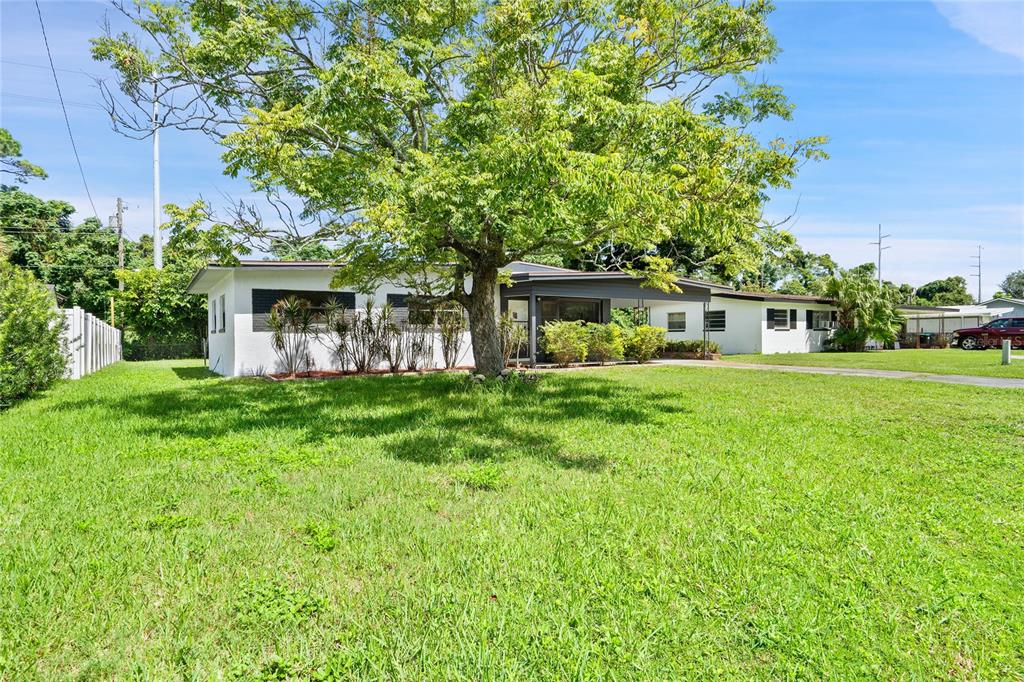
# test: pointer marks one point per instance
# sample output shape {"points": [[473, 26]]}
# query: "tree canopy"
{"points": [[948, 291], [11, 163], [453, 138], [1013, 285]]}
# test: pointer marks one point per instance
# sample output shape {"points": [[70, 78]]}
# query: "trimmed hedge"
{"points": [[692, 346], [31, 352], [645, 342]]}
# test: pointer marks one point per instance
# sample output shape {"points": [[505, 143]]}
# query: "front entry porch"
{"points": [[538, 298]]}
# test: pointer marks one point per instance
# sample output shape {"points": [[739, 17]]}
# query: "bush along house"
{"points": [[240, 299]]}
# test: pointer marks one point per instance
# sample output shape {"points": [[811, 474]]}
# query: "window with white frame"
{"points": [[677, 322], [213, 316], [223, 315], [714, 321]]}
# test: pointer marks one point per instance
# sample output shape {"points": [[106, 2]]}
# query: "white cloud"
{"points": [[997, 24]]}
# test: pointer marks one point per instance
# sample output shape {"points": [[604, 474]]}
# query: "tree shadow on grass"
{"points": [[194, 373], [427, 419]]}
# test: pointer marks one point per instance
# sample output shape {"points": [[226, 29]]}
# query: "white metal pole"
{"points": [[158, 247]]}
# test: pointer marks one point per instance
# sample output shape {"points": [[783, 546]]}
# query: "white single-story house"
{"points": [[1011, 307], [240, 298]]}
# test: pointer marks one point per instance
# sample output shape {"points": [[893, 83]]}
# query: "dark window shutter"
{"points": [[810, 319], [398, 300], [264, 299], [792, 318], [771, 318], [835, 316]]}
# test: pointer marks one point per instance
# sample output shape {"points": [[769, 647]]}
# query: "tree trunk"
{"points": [[483, 327]]}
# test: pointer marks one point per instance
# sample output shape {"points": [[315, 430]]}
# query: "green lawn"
{"points": [[654, 523], [947, 361]]}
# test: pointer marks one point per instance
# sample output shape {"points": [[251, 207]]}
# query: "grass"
{"points": [[658, 522], [936, 361]]}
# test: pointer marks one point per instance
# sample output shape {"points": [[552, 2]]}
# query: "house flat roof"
{"points": [[771, 296], [522, 272]]}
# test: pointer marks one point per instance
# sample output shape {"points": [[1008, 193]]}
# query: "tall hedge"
{"points": [[31, 353]]}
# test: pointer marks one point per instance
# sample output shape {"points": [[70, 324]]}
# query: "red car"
{"points": [[991, 334]]}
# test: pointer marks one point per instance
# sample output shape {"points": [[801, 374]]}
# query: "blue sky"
{"points": [[923, 102]]}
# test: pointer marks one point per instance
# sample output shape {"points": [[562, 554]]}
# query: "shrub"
{"points": [[645, 342], [692, 346], [31, 352], [451, 325], [364, 340], [291, 321], [605, 342], [565, 342], [513, 337]]}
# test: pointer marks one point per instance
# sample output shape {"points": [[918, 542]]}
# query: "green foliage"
{"points": [[948, 291], [489, 476], [629, 318], [605, 342], [269, 603], [645, 342], [451, 325], [291, 324], [566, 342], [692, 346], [867, 311], [514, 337], [79, 261], [456, 138], [319, 536], [1013, 285], [31, 353], [154, 308], [11, 162]]}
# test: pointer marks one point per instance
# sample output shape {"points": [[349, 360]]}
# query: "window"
{"points": [[413, 310], [999, 323], [677, 322], [223, 315], [820, 320], [264, 299], [213, 315], [714, 321], [779, 319]]}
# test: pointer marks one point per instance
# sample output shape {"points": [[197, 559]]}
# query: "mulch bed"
{"points": [[327, 374]]}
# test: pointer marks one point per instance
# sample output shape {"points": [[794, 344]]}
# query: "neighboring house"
{"points": [[240, 299], [1014, 307], [921, 319]]}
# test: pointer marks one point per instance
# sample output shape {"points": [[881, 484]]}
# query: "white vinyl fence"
{"points": [[92, 343]]}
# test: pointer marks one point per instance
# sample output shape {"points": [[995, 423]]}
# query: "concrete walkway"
{"points": [[960, 379]]}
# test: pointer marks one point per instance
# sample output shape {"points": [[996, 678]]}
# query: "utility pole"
{"points": [[120, 242], [158, 248], [880, 249], [977, 266]]}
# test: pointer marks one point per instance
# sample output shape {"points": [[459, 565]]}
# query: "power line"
{"points": [[50, 100], [80, 72], [67, 120]]}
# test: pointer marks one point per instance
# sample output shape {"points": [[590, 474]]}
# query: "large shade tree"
{"points": [[438, 141]]}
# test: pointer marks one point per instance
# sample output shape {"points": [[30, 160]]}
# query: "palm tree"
{"points": [[867, 310]]}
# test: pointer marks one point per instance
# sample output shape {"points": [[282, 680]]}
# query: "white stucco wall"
{"points": [[796, 340], [221, 345], [743, 321], [746, 326], [241, 351]]}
